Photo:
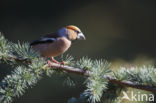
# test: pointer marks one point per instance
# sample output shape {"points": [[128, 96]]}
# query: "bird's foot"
{"points": [[55, 61], [49, 63]]}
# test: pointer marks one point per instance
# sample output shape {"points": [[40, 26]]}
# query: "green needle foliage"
{"points": [[30, 68], [4, 47], [96, 83], [23, 51], [145, 75]]}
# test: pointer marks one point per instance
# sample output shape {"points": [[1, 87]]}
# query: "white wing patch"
{"points": [[48, 39]]}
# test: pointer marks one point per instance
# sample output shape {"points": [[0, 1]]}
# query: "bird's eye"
{"points": [[77, 31]]}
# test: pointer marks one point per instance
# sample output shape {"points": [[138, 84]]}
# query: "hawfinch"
{"points": [[55, 44]]}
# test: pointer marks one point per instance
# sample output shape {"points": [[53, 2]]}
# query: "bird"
{"points": [[54, 44]]}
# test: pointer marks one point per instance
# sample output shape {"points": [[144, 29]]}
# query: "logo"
{"points": [[137, 96]]}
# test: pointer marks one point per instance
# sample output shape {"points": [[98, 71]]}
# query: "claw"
{"points": [[55, 61], [62, 63]]}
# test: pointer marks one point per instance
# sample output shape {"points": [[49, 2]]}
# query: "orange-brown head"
{"points": [[72, 33]]}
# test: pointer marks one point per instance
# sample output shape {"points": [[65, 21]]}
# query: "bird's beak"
{"points": [[80, 36]]}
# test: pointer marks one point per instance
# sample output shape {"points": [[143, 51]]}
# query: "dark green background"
{"points": [[115, 29]]}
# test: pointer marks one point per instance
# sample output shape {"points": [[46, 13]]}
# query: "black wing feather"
{"points": [[41, 42], [49, 38]]}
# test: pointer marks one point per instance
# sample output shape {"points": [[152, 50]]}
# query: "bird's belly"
{"points": [[53, 49]]}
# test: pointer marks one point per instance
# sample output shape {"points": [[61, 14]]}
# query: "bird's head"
{"points": [[72, 33]]}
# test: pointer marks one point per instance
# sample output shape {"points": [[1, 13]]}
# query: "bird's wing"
{"points": [[49, 38]]}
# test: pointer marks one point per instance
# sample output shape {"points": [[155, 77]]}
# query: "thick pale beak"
{"points": [[80, 36]]}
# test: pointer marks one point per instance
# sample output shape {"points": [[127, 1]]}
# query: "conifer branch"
{"points": [[132, 84], [79, 71]]}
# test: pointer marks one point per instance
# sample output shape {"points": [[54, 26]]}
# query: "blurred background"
{"points": [[119, 31]]}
